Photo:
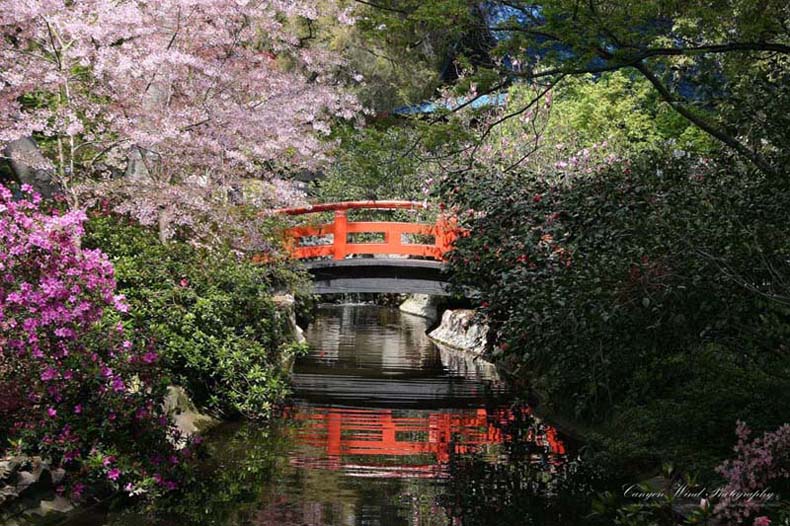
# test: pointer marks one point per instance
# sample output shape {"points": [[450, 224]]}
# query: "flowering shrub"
{"points": [[89, 396], [759, 463], [650, 295]]}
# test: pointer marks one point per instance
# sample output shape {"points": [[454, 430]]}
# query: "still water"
{"points": [[385, 429]]}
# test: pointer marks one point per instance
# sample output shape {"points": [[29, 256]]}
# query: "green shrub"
{"points": [[210, 314], [650, 299]]}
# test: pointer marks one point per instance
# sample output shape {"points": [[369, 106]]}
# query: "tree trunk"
{"points": [[164, 223]]}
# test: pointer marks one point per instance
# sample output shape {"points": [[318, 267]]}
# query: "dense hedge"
{"points": [[649, 300]]}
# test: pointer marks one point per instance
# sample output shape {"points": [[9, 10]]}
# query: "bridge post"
{"points": [[445, 234], [340, 232]]}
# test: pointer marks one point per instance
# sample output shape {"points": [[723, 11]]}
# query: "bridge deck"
{"points": [[363, 275]]}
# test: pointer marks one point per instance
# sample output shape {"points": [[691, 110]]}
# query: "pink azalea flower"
{"points": [[762, 521], [52, 412], [150, 357], [118, 385], [119, 302], [114, 474], [77, 489]]}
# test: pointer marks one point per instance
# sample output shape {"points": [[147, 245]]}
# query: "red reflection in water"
{"points": [[344, 435]]}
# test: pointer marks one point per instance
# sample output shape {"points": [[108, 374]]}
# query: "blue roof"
{"points": [[498, 99], [497, 14]]}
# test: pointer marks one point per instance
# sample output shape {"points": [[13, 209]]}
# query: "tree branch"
{"points": [[703, 124], [382, 7], [717, 48]]}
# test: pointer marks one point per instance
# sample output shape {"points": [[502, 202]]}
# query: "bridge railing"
{"points": [[391, 235]]}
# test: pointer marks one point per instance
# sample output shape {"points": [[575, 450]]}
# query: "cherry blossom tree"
{"points": [[167, 104]]}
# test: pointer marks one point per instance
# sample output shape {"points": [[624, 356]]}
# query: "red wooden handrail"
{"points": [[444, 232], [352, 205]]}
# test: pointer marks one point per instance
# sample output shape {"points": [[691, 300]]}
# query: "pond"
{"points": [[384, 428]]}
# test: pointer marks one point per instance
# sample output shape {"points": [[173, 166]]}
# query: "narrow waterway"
{"points": [[385, 429]]}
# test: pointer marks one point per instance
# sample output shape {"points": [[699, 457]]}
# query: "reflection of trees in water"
{"points": [[249, 479], [370, 336], [529, 484], [507, 469], [228, 487], [420, 503]]}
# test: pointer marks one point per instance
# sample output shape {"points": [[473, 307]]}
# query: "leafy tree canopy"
{"points": [[721, 66]]}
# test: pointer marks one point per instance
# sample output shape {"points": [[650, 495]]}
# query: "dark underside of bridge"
{"points": [[378, 275]]}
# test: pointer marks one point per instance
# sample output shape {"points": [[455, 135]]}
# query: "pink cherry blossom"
{"points": [[181, 96]]}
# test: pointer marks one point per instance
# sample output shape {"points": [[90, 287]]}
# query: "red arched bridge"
{"points": [[372, 256]]}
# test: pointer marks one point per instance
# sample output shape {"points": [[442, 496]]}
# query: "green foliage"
{"points": [[635, 282], [390, 62], [722, 66], [622, 110], [647, 505], [649, 298], [229, 485], [372, 164], [523, 490], [211, 315]]}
